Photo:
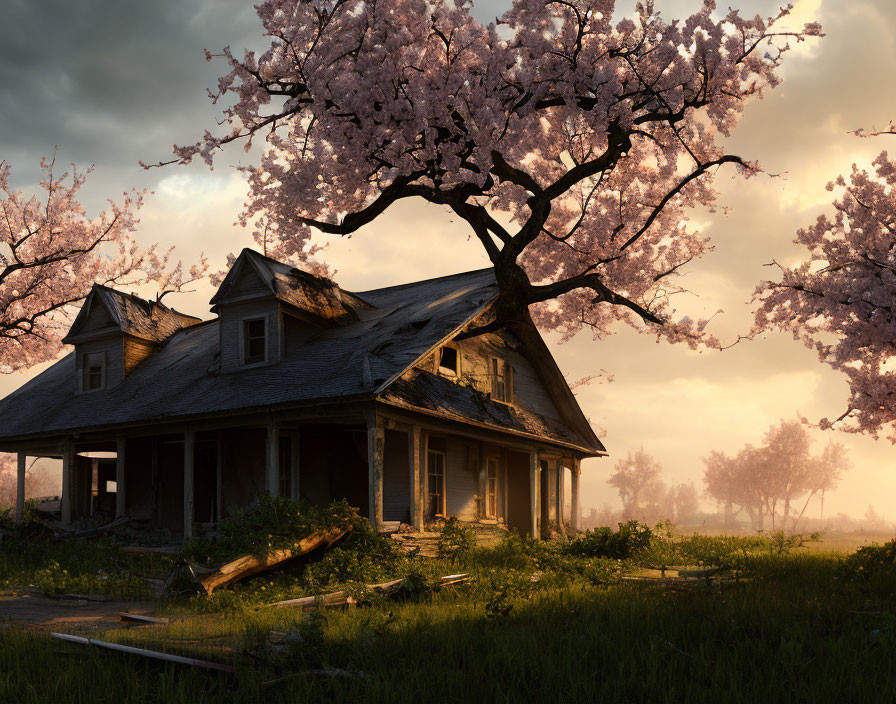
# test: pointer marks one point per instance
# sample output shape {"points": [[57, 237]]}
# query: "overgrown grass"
{"points": [[551, 622]]}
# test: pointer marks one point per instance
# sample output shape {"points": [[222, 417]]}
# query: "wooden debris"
{"points": [[140, 618], [340, 598], [145, 653], [250, 565]]}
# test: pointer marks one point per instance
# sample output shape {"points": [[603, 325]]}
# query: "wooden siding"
{"points": [[396, 478], [243, 471], [518, 507], [461, 479], [135, 351], [112, 347], [248, 283], [232, 316], [474, 354], [138, 478], [98, 318]]}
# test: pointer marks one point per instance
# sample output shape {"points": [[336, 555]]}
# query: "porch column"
{"points": [[272, 475], [576, 517], [68, 467], [20, 487], [414, 463], [375, 443], [219, 476], [189, 441], [561, 492], [533, 492], [120, 481]]}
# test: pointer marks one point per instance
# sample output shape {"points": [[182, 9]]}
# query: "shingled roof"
{"points": [[366, 357], [148, 320]]}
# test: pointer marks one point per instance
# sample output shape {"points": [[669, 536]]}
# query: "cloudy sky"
{"points": [[111, 83]]}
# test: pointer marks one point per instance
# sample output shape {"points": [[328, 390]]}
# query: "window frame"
{"points": [[506, 379], [447, 371], [492, 486], [444, 483], [85, 373], [244, 340]]}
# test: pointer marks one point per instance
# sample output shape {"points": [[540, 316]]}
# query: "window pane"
{"points": [[436, 470], [254, 341]]}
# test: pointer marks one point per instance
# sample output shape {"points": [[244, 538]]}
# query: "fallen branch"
{"points": [[250, 565], [145, 653], [340, 598]]}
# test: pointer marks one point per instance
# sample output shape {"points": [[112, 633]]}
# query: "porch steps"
{"points": [[426, 542]]}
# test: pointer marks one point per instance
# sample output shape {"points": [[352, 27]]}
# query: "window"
{"points": [[501, 380], [448, 361], [254, 339], [491, 488], [435, 464], [94, 371]]}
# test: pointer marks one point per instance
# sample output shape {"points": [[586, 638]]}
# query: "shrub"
{"points": [[872, 561], [455, 541], [605, 542]]}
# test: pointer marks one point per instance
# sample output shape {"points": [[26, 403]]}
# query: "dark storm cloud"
{"points": [[110, 82]]}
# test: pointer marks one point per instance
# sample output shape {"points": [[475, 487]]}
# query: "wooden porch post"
{"points": [[120, 480], [219, 476], [68, 466], [561, 491], [272, 482], [20, 487], [375, 442], [189, 485], [414, 463], [576, 518], [533, 492]]}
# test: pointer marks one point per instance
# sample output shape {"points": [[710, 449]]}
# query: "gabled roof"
{"points": [[364, 358], [314, 295], [148, 320]]}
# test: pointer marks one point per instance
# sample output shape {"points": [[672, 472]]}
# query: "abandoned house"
{"points": [[300, 388]]}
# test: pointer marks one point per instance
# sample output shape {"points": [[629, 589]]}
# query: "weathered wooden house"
{"points": [[300, 388]]}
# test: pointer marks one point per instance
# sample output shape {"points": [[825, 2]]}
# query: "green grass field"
{"points": [[538, 622]]}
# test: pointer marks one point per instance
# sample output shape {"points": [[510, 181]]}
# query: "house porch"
{"points": [[392, 466]]}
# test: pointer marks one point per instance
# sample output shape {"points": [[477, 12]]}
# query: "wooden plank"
{"points": [[340, 598], [145, 653], [140, 618], [533, 493], [576, 517], [416, 491]]}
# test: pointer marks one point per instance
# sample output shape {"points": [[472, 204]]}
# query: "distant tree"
{"points": [[8, 479], [570, 141], [771, 480], [637, 479], [51, 253], [685, 502]]}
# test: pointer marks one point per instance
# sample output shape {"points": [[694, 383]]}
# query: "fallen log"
{"points": [[340, 598], [250, 565], [145, 653]]}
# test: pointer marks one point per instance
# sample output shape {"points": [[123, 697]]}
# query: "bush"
{"points": [[873, 561], [605, 542], [455, 541]]}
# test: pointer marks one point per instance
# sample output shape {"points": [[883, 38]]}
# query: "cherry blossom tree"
{"points": [[51, 253], [841, 300], [773, 480], [573, 147]]}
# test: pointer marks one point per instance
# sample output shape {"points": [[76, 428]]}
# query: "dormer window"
{"points": [[254, 341], [501, 380], [449, 362], [93, 371]]}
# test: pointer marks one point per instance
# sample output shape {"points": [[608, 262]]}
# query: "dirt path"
{"points": [[66, 615]]}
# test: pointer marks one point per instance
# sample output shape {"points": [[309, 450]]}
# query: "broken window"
{"points": [[94, 371], [254, 340], [448, 361], [435, 464], [502, 380]]}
